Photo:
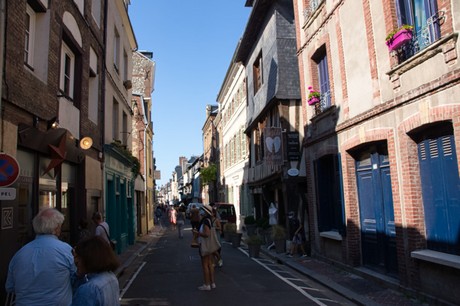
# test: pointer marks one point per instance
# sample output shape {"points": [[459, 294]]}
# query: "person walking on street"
{"points": [[158, 215], [218, 228], [96, 263], [173, 217], [195, 217], [41, 272], [102, 228], [296, 236], [207, 260], [180, 220]]}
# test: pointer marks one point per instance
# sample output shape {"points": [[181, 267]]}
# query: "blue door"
{"points": [[376, 211], [441, 193]]}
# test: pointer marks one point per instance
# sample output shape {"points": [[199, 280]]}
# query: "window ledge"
{"points": [[438, 258], [331, 235]]}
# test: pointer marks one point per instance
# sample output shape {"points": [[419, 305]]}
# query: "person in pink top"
{"points": [[173, 217]]}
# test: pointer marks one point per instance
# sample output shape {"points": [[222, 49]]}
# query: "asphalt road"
{"points": [[169, 272]]}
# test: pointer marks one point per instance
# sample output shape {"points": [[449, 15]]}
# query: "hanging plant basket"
{"points": [[399, 39]]}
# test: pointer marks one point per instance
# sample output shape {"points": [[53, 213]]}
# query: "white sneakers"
{"points": [[204, 288], [207, 287]]}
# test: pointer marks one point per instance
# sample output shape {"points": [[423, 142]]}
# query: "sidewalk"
{"points": [[363, 286]]}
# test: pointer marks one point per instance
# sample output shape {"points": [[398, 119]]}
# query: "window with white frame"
{"points": [[67, 71]]}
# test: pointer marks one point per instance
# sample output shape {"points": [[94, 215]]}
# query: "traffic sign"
{"points": [[9, 170]]}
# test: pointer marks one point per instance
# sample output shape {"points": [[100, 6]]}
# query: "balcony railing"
{"points": [[311, 8], [324, 103], [422, 38]]}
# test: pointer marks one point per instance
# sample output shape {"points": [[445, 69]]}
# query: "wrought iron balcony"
{"points": [[311, 8], [324, 103], [422, 38]]}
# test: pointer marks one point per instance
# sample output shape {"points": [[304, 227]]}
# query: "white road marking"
{"points": [[131, 280], [287, 281]]}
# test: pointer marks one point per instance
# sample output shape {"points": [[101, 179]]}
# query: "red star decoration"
{"points": [[58, 155]]}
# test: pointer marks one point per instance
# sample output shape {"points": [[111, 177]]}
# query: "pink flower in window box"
{"points": [[399, 37], [313, 97]]}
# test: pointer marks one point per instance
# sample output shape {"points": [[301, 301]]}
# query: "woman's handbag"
{"points": [[210, 244]]}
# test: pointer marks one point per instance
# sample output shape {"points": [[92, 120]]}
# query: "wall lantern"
{"points": [[86, 143]]}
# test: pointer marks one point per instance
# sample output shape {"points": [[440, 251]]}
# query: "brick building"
{"points": [[51, 119], [382, 142]]}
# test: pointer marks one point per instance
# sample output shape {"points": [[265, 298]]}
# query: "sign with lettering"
{"points": [[293, 145], [7, 194]]}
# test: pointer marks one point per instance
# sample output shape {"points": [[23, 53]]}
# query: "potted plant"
{"points": [[279, 238], [396, 38], [313, 97], [250, 224], [254, 243], [229, 230]]}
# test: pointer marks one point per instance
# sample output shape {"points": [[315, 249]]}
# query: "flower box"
{"points": [[401, 37], [313, 101], [313, 96]]}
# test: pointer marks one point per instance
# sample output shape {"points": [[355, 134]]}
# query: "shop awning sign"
{"points": [[9, 170]]}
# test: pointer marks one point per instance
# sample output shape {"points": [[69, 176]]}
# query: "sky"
{"points": [[193, 42]]}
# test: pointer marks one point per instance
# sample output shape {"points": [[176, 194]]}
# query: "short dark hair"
{"points": [[97, 255]]}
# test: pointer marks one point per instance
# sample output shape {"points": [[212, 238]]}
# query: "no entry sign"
{"points": [[9, 170]]}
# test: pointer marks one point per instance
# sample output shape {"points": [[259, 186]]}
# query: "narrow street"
{"points": [[168, 272]]}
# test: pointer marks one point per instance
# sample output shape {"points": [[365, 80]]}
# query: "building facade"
{"points": [[210, 157], [383, 139], [275, 171], [233, 144], [142, 137], [51, 121]]}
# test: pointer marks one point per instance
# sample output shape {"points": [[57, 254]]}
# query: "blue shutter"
{"points": [[324, 81], [441, 193]]}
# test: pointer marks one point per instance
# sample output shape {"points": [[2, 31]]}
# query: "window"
{"points": [[125, 132], [96, 11], [423, 15], [323, 78], [257, 73], [330, 209], [29, 36], [125, 65], [93, 88], [115, 132], [440, 187], [116, 51], [67, 71]]}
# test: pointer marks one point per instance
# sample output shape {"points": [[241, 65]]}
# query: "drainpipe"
{"points": [[103, 89], [2, 63]]}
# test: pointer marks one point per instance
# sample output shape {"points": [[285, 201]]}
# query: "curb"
{"points": [[323, 280]]}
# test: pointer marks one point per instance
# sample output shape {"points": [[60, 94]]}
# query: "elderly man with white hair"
{"points": [[40, 273]]}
